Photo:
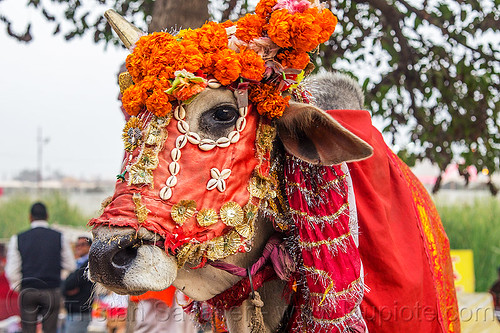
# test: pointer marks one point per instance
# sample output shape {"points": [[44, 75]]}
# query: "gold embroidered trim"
{"points": [[327, 185], [356, 284], [319, 272], [345, 317], [327, 242], [317, 219]]}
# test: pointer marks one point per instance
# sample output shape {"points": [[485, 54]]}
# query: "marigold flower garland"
{"points": [[262, 47]]}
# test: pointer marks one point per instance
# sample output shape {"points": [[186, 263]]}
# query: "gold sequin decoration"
{"points": [[163, 121], [232, 242], [265, 137], [154, 136], [231, 214], [140, 175], [183, 210], [149, 159], [183, 254], [250, 212], [125, 81], [132, 133], [260, 187], [244, 230], [206, 217], [215, 250], [140, 209]]}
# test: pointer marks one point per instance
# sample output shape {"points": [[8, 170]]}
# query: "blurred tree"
{"points": [[430, 69]]}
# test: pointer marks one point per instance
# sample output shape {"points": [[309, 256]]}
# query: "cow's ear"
{"points": [[312, 135]]}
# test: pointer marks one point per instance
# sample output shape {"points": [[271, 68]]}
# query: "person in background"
{"points": [[77, 290], [495, 292], [116, 312], [159, 312], [35, 259]]}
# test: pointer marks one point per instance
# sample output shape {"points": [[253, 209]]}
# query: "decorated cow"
{"points": [[265, 196]]}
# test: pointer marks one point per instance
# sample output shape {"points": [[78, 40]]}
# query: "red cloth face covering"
{"points": [[193, 177]]}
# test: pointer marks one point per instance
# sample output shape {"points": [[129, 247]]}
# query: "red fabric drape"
{"points": [[403, 247]]}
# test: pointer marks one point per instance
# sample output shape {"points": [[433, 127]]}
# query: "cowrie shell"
{"points": [[224, 174], [207, 145], [221, 186], [174, 168], [166, 193], [175, 154], [234, 136], [212, 183], [181, 141], [179, 113], [183, 127], [171, 181], [214, 84], [193, 137], [214, 173], [240, 124], [243, 111], [223, 142]]}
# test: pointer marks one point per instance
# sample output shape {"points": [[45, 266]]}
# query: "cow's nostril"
{"points": [[124, 257]]}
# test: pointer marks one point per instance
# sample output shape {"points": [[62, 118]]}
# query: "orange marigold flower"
{"points": [[134, 67], [304, 33], [189, 57], [133, 99], [274, 106], [327, 21], [227, 24], [294, 59], [227, 67], [268, 100], [158, 103], [208, 63], [280, 27], [188, 34], [212, 37], [265, 7], [249, 27], [252, 65]]}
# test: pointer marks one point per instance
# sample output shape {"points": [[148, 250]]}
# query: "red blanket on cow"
{"points": [[403, 246]]}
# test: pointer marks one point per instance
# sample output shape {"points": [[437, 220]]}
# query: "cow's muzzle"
{"points": [[128, 262]]}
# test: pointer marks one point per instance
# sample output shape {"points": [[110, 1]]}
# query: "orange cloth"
{"points": [[167, 296], [403, 246]]}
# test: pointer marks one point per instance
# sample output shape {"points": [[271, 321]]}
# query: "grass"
{"points": [[476, 226], [14, 212]]}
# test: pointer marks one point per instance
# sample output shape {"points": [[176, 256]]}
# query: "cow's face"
{"points": [[141, 239], [193, 181], [197, 162]]}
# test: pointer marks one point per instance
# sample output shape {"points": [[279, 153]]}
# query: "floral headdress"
{"points": [[265, 52]]}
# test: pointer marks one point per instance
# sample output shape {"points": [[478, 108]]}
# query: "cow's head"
{"points": [[208, 112]]}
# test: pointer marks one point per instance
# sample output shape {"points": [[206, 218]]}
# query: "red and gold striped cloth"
{"points": [[330, 286], [403, 246]]}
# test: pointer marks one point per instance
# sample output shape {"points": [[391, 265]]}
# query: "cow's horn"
{"points": [[128, 33]]}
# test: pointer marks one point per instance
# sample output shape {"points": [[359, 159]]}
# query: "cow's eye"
{"points": [[218, 121], [224, 114]]}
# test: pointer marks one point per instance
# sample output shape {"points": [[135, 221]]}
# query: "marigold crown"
{"points": [[265, 53]]}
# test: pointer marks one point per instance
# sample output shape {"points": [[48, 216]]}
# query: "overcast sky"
{"points": [[69, 90]]}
